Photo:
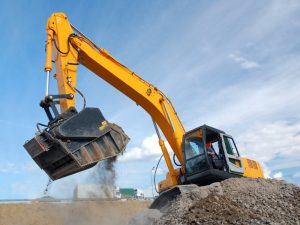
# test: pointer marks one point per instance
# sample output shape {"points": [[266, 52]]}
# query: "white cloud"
{"points": [[148, 150], [278, 175], [266, 169], [243, 62], [265, 141], [266, 98], [268, 172]]}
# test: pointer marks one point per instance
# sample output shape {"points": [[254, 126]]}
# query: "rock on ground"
{"points": [[236, 201]]}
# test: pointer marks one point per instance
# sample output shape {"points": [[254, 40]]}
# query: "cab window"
{"points": [[193, 147], [230, 146], [195, 159]]}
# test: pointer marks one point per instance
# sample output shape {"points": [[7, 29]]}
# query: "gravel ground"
{"points": [[236, 201], [98, 212]]}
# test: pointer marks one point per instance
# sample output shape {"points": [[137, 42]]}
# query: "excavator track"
{"points": [[165, 198]]}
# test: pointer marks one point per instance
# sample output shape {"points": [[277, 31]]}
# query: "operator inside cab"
{"points": [[210, 151], [199, 156], [216, 159]]}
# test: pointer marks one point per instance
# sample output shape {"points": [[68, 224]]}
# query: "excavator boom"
{"points": [[70, 48], [73, 48], [74, 141]]}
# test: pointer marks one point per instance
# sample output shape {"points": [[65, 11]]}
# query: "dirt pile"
{"points": [[236, 201]]}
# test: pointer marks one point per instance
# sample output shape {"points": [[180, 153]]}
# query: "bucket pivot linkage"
{"points": [[74, 141]]}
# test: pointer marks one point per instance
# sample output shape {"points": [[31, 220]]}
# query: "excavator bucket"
{"points": [[76, 141]]}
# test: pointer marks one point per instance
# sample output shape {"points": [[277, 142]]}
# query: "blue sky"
{"points": [[230, 64]]}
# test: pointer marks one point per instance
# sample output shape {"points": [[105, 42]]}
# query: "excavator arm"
{"points": [[71, 48], [74, 141]]}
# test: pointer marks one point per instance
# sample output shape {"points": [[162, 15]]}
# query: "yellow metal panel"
{"points": [[58, 31], [167, 183], [252, 168]]}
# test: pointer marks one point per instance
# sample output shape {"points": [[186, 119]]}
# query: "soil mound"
{"points": [[236, 201]]}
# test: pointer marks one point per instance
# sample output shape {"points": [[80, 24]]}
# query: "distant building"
{"points": [[100, 191], [140, 194], [86, 191], [131, 193]]}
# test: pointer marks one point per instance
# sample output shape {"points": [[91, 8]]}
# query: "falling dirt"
{"points": [[104, 172], [100, 183], [48, 186]]}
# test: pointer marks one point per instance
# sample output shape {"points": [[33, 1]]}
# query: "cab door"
{"points": [[232, 156], [194, 153]]}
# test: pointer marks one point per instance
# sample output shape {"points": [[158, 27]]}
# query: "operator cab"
{"points": [[210, 155]]}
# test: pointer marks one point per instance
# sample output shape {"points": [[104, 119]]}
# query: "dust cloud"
{"points": [[104, 176], [104, 172]]}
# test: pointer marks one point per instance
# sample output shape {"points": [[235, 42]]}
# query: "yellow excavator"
{"points": [[74, 140]]}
